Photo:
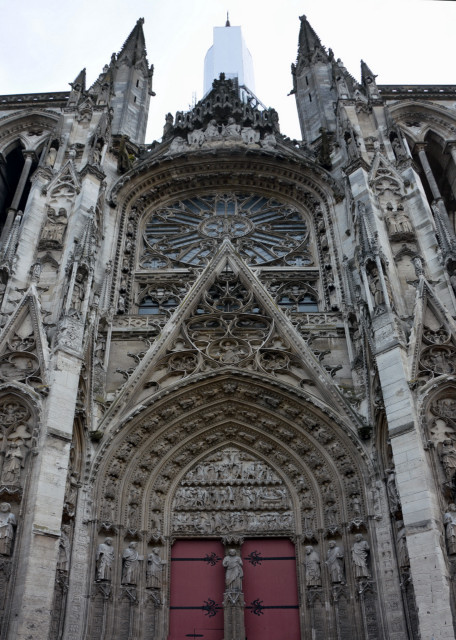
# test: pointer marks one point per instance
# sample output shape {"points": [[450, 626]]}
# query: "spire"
{"points": [[367, 77], [79, 83], [227, 23], [309, 42], [368, 81], [78, 88], [134, 47]]}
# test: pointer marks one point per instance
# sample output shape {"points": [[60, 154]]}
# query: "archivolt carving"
{"points": [[158, 460]]}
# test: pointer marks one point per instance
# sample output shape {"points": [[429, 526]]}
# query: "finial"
{"points": [[227, 24], [140, 21]]}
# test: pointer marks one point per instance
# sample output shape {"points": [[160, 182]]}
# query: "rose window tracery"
{"points": [[188, 232]]}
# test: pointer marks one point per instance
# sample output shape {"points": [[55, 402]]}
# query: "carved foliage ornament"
{"points": [[439, 359]]}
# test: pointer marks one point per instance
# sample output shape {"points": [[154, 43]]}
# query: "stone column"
{"points": [[421, 148], [233, 598], [415, 484], [29, 157]]}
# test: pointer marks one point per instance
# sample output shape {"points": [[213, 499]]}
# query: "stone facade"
{"points": [[225, 350]]}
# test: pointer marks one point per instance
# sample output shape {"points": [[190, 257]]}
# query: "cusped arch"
{"points": [[14, 127], [435, 118]]}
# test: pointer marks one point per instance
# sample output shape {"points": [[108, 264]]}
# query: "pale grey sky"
{"points": [[44, 44]]}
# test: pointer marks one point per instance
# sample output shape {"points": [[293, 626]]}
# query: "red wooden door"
{"points": [[270, 590], [197, 585]]}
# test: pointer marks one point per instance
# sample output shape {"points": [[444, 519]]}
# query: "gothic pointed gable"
{"points": [[65, 185], [228, 320], [310, 48], [383, 177], [134, 47], [24, 353], [432, 349]]}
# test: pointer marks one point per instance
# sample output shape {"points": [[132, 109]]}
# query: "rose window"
{"points": [[188, 232]]}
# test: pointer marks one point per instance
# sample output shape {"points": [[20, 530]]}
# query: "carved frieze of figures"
{"points": [[231, 490], [54, 229], [7, 529], [449, 520], [104, 560], [439, 359], [154, 570], [233, 571], [312, 567], [360, 553], [335, 562]]}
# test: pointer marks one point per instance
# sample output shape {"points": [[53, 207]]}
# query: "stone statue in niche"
{"points": [[130, 564], [64, 549], [14, 461], [360, 553], [398, 149], [231, 130], [312, 567], [335, 562], [391, 489], [234, 572], [375, 286], [71, 493], [51, 157], [154, 570], [401, 541], [7, 528], [355, 503], [77, 297], [104, 560], [448, 457], [54, 228], [449, 520], [212, 131]]}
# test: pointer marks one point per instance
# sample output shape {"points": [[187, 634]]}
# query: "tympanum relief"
{"points": [[231, 491]]}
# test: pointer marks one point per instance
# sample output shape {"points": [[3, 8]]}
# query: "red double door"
{"points": [[270, 590]]}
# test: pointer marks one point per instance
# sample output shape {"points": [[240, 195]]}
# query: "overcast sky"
{"points": [[45, 43]]}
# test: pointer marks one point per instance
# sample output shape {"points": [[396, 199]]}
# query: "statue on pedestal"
{"points": [[104, 560], [7, 525], [234, 572]]}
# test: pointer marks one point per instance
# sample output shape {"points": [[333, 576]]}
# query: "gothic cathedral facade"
{"points": [[228, 361]]}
